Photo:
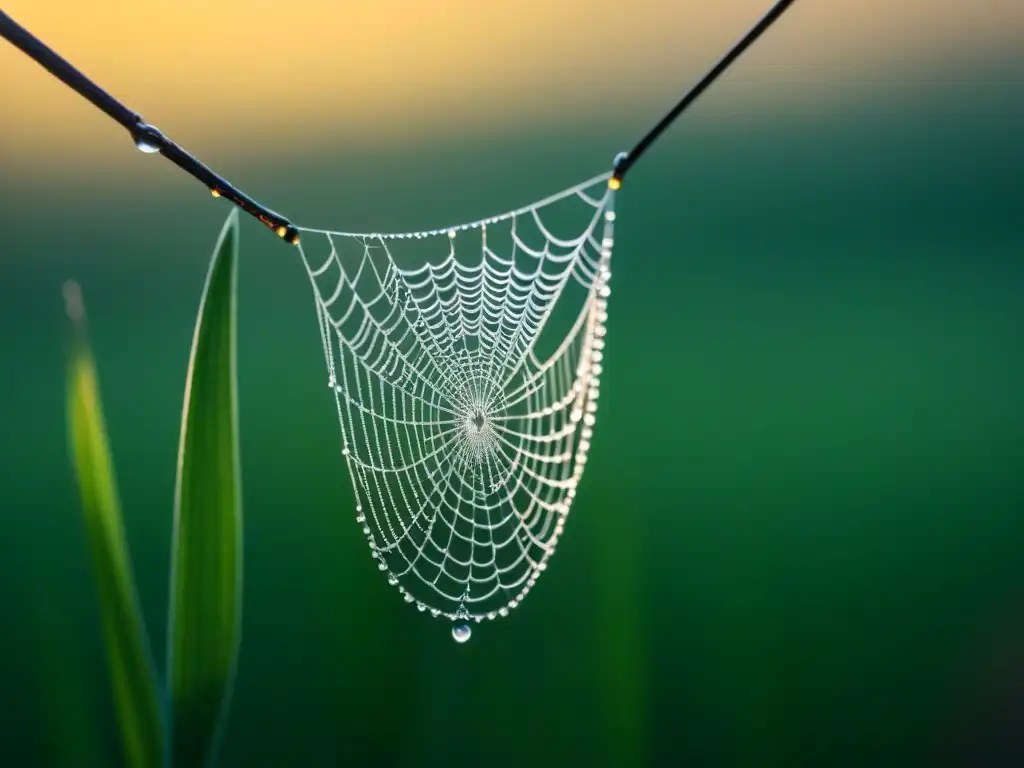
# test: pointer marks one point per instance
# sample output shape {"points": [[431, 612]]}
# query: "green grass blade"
{"points": [[132, 673], [206, 555]]}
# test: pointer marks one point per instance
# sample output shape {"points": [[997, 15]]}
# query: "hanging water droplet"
{"points": [[147, 138], [461, 633], [619, 158]]}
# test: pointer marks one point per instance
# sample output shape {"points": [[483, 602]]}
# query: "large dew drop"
{"points": [[461, 633], [145, 145], [146, 138]]}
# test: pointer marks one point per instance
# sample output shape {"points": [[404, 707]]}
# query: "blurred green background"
{"points": [[800, 536]]}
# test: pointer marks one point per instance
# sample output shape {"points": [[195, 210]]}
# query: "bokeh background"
{"points": [[800, 539]]}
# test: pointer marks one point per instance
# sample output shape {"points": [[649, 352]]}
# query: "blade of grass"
{"points": [[206, 555], [132, 673]]}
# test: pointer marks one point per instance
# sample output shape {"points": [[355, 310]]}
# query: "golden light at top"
{"points": [[394, 69]]}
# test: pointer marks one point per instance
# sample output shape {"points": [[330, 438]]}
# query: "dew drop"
{"points": [[619, 158], [145, 146], [461, 633], [146, 138]]}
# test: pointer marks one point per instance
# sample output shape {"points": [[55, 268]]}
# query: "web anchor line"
{"points": [[466, 383], [150, 139]]}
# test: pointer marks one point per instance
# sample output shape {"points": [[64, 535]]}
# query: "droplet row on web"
{"points": [[585, 414], [582, 397]]}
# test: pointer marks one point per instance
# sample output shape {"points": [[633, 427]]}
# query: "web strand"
{"points": [[465, 369]]}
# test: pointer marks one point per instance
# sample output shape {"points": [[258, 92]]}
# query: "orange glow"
{"points": [[371, 72]]}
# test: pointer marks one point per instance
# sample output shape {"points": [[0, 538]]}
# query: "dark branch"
{"points": [[143, 134], [624, 163], [147, 136]]}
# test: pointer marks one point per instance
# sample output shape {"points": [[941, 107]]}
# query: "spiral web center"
{"points": [[465, 364]]}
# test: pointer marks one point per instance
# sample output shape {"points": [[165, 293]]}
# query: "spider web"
{"points": [[465, 364]]}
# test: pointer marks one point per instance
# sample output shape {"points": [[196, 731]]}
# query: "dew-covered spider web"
{"points": [[465, 362]]}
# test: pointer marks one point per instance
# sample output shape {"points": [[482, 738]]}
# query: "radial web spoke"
{"points": [[465, 365]]}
